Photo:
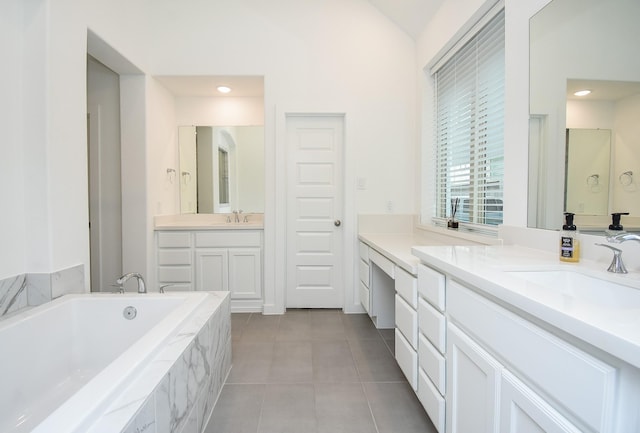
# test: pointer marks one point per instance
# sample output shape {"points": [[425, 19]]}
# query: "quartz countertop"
{"points": [[397, 246], [208, 222], [608, 322]]}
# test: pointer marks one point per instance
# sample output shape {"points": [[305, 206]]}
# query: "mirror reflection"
{"points": [[587, 171], [221, 169], [583, 45]]}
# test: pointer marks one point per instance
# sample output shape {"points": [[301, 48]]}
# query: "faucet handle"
{"points": [[616, 266]]}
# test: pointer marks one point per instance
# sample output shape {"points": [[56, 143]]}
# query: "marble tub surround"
{"points": [[209, 221], [608, 321], [176, 392], [105, 371], [33, 289]]}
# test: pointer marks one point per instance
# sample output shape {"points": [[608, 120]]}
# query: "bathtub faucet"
{"points": [[123, 279]]}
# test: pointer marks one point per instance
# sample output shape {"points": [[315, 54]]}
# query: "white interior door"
{"points": [[315, 147]]}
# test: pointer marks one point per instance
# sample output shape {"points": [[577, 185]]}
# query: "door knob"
{"points": [[337, 223]]}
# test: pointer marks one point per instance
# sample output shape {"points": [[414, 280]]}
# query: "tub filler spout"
{"points": [[123, 279]]}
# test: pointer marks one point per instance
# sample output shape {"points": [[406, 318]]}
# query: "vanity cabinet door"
{"points": [[212, 269], [245, 273], [473, 381], [523, 411]]}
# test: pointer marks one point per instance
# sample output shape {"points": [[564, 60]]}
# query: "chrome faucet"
{"points": [[123, 279], [623, 237], [616, 266], [236, 214]]}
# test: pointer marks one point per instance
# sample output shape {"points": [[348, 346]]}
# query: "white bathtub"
{"points": [[68, 364]]}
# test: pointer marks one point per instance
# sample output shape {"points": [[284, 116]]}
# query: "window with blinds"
{"points": [[469, 115]]}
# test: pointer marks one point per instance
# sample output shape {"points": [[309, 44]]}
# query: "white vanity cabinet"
{"points": [[506, 374], [213, 260], [365, 275], [432, 340], [406, 318]]}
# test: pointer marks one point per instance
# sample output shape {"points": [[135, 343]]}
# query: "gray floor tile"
{"points": [[374, 361], [251, 362], [237, 410], [294, 326], [238, 323], [332, 362], [396, 408], [260, 328], [327, 325], [343, 408], [314, 371], [360, 327], [292, 362], [288, 409]]}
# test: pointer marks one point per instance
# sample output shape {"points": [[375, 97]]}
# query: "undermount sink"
{"points": [[583, 288]]}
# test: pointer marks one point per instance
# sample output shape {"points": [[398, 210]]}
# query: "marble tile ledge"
{"points": [[24, 291]]}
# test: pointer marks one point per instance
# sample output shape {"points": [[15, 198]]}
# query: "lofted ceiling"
{"points": [[410, 15]]}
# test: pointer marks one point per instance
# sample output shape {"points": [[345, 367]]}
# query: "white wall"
{"points": [[12, 170], [316, 55]]}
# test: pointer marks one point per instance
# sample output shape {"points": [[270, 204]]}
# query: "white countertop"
{"points": [[608, 323], [397, 246], [208, 222]]}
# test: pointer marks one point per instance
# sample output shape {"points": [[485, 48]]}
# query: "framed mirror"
{"points": [[583, 45]]}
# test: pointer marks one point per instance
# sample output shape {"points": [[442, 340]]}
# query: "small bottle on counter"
{"points": [[569, 240]]}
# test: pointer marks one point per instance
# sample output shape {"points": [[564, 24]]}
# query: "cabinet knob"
{"points": [[337, 223]]}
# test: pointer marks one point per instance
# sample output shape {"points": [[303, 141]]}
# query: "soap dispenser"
{"points": [[569, 241], [615, 227]]}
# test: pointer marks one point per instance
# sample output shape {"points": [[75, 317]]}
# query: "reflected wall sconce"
{"points": [[626, 178], [186, 177], [171, 175]]}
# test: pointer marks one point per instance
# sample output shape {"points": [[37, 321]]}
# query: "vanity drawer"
{"points": [[407, 321], [431, 285], [364, 272], [364, 251], [383, 263], [175, 239], [174, 274], [432, 324], [364, 298], [175, 257], [407, 286], [582, 384], [432, 401], [432, 362], [228, 238], [407, 359]]}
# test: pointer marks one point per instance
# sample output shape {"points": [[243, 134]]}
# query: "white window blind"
{"points": [[469, 129]]}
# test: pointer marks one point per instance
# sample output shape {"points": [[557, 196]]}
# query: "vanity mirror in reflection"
{"points": [[583, 45], [221, 169]]}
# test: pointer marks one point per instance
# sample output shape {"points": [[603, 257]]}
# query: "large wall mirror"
{"points": [[584, 151], [221, 169], [220, 142]]}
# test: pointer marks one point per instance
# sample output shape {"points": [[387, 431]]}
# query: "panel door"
{"points": [[314, 210], [245, 273], [473, 380], [523, 411], [212, 269]]}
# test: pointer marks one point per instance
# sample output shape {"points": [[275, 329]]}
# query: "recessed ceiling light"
{"points": [[224, 89], [584, 92]]}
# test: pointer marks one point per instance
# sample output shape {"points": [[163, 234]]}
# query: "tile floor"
{"points": [[315, 371]]}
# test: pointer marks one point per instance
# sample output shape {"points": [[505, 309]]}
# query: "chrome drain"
{"points": [[130, 312]]}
